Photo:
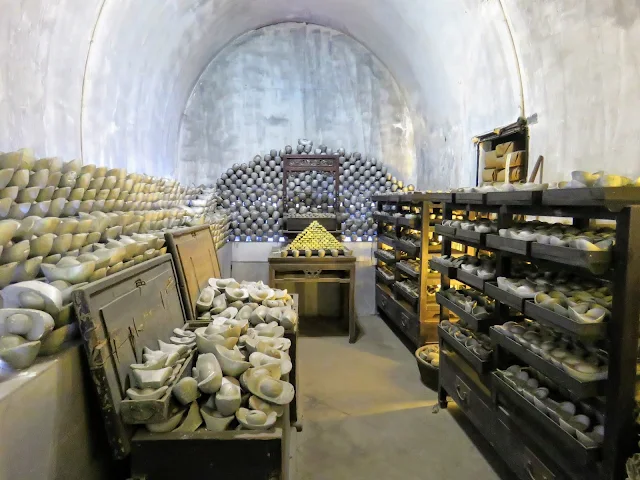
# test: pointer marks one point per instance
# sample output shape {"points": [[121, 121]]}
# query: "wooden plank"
{"points": [[228, 455], [196, 260], [119, 316], [155, 411]]}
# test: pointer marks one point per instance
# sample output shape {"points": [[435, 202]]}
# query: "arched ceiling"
{"points": [[109, 79], [145, 60]]}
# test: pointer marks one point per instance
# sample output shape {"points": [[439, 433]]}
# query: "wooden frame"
{"points": [[196, 261], [418, 324], [306, 163], [517, 132], [119, 316], [309, 270]]}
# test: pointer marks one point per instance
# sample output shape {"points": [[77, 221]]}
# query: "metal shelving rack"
{"points": [[415, 317], [530, 443]]}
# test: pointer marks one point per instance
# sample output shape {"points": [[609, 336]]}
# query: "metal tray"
{"points": [[119, 316], [383, 259], [387, 240], [552, 319], [579, 390], [529, 417], [503, 296], [519, 247], [470, 279], [382, 279], [409, 222], [406, 296], [407, 247], [480, 366], [445, 230], [470, 236], [473, 322], [196, 261], [443, 269], [407, 271], [388, 219], [596, 262]]}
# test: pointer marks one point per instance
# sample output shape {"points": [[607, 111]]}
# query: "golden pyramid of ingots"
{"points": [[315, 237]]}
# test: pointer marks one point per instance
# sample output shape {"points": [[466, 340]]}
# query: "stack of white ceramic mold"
{"points": [[74, 224], [242, 358], [54, 210]]}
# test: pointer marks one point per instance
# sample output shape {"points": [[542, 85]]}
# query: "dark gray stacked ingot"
{"points": [[253, 193]]}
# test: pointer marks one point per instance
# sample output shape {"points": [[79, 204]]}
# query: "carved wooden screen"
{"points": [[293, 164]]}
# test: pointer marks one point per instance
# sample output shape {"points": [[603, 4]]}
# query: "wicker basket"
{"points": [[428, 373]]}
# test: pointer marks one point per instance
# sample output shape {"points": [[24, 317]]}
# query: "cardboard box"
{"points": [[490, 159], [514, 159], [515, 174], [488, 174], [504, 148]]}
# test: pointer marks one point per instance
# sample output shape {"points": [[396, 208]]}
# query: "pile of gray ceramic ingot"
{"points": [[254, 194]]}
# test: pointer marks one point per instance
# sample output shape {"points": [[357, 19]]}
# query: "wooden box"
{"points": [[196, 261], [120, 315]]}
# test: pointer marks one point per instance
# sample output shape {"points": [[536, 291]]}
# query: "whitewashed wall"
{"points": [[274, 85], [111, 78]]}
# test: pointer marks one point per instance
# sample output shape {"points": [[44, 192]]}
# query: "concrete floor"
{"points": [[367, 416]]}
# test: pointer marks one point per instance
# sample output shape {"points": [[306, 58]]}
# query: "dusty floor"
{"points": [[367, 416]]}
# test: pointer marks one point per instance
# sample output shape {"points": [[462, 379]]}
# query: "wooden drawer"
{"points": [[385, 302], [526, 462], [409, 324], [525, 457], [464, 391]]}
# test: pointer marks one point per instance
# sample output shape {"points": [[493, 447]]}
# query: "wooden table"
{"points": [[299, 273]]}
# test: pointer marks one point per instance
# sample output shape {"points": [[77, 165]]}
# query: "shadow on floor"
{"points": [[484, 447], [323, 327]]}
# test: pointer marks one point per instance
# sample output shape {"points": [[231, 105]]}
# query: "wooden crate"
{"points": [[196, 261], [120, 315], [230, 455]]}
